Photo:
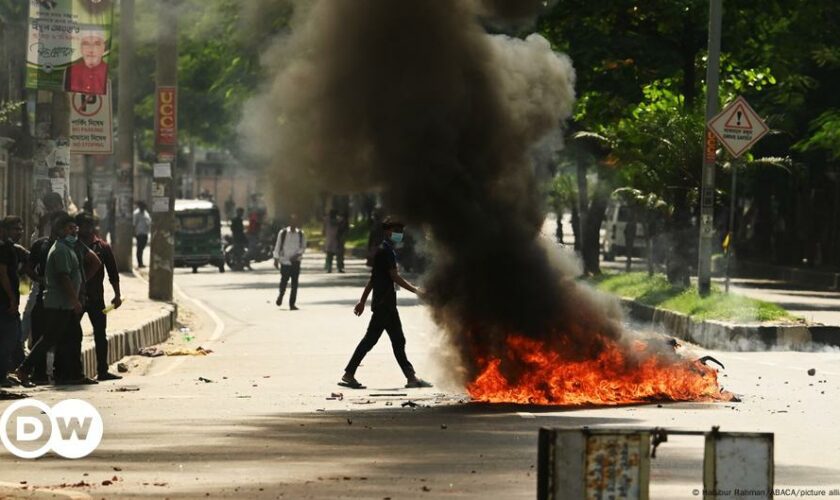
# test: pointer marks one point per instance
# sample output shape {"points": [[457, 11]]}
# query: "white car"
{"points": [[613, 242]]}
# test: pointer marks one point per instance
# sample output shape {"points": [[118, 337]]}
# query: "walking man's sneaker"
{"points": [[351, 382], [417, 383], [279, 300], [293, 308], [108, 376]]}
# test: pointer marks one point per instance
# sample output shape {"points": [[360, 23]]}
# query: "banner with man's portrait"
{"points": [[69, 44]]}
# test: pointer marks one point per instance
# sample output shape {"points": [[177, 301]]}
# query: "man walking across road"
{"points": [[288, 251], [95, 291], [385, 317]]}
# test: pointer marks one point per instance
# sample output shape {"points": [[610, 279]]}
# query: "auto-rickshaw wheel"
{"points": [[195, 269], [222, 268]]}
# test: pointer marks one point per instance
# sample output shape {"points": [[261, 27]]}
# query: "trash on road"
{"points": [[151, 352], [122, 367], [205, 380], [198, 351], [336, 396], [388, 395], [410, 403], [812, 372]]}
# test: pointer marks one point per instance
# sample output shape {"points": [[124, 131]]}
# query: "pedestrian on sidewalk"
{"points": [[331, 228], [383, 278], [95, 290], [13, 225], [288, 251], [64, 281], [341, 236], [35, 268], [9, 298], [142, 227]]}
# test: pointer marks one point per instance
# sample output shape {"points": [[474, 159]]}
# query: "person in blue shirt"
{"points": [[383, 278]]}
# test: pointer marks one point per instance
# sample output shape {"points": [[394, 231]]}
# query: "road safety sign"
{"points": [[738, 127]]}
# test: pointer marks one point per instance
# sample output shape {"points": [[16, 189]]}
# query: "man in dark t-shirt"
{"points": [[9, 295], [94, 305], [385, 317]]}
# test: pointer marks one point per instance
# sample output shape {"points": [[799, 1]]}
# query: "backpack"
{"points": [[283, 238]]}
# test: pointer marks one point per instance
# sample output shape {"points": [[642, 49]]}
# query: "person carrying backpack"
{"points": [[288, 251]]}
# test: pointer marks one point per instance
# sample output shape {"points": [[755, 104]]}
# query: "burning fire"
{"points": [[613, 377]]}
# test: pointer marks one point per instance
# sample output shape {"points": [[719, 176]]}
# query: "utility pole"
{"points": [[707, 197], [166, 148], [123, 235]]}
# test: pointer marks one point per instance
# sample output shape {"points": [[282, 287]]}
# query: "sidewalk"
{"points": [[139, 322]]}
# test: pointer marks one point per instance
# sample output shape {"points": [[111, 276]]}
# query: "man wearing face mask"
{"points": [[383, 279], [64, 278]]}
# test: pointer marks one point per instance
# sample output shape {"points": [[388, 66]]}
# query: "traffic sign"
{"points": [[738, 127]]}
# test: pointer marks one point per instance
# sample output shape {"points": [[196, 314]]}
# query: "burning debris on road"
{"points": [[418, 101]]}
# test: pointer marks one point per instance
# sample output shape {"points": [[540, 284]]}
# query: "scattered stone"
{"points": [[410, 403], [205, 380], [106, 483], [443, 426], [125, 388], [118, 469], [426, 488], [6, 395], [349, 422], [122, 367], [812, 372]]}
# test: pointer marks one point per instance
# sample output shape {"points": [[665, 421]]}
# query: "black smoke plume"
{"points": [[415, 98]]}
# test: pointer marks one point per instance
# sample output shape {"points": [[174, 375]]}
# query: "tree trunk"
{"points": [[630, 240], [591, 248], [576, 228], [680, 243]]}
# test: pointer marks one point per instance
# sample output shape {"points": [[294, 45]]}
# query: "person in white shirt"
{"points": [[288, 251], [142, 226]]}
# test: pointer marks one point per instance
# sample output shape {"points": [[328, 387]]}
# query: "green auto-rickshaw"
{"points": [[198, 235]]}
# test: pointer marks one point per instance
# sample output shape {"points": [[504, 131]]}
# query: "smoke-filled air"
{"points": [[415, 99]]}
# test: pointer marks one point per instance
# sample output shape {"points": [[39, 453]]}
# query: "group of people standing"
{"points": [[67, 269]]}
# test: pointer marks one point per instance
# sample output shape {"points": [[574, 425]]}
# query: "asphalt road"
{"points": [[263, 426]]}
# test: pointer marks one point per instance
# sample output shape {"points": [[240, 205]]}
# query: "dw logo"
{"points": [[30, 428]]}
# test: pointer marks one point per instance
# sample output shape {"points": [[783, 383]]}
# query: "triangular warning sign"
{"points": [[738, 127], [739, 118]]}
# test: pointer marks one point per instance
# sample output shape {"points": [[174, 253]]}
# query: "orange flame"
{"points": [[613, 377]]}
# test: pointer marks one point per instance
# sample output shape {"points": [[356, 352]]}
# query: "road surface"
{"points": [[264, 428]]}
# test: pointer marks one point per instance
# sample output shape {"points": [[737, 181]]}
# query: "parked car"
{"points": [[615, 222], [198, 235]]}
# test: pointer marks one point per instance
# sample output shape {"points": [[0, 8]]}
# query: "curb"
{"points": [[798, 276], [729, 336], [123, 343]]}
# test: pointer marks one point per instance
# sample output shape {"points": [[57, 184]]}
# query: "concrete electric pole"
{"points": [[166, 148], [123, 234], [707, 197]]}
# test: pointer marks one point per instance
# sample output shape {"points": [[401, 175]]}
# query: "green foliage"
{"points": [[8, 110], [825, 134], [657, 291]]}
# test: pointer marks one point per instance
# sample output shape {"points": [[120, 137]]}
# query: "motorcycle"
{"points": [[239, 256]]}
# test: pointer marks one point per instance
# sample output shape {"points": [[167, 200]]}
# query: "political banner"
{"points": [[69, 44]]}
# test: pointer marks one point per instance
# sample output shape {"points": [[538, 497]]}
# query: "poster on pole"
{"points": [[68, 45], [166, 116], [91, 128]]}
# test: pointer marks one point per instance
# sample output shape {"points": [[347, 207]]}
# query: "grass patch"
{"points": [[656, 291]]}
